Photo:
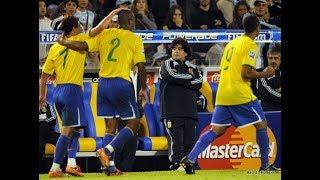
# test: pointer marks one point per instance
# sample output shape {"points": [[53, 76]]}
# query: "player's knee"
{"points": [[111, 129], [78, 129], [133, 124], [111, 126], [67, 131], [261, 125]]}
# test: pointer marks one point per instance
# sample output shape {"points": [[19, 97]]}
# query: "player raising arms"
{"points": [[120, 49], [68, 66]]}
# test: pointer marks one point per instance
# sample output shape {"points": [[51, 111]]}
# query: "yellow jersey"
{"points": [[119, 51], [233, 89], [67, 64]]}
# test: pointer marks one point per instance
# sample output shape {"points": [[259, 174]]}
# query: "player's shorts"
{"points": [[68, 100], [116, 99], [238, 115]]}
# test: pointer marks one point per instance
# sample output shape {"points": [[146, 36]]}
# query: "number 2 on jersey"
{"points": [[116, 43], [228, 57]]}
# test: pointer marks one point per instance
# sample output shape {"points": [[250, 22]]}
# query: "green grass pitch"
{"points": [[179, 175]]}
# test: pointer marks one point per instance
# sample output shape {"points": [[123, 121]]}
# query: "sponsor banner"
{"points": [[193, 36], [213, 76], [237, 148]]}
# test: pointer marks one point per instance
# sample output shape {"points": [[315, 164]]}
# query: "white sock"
{"points": [[72, 162], [110, 148], [111, 163], [55, 167]]}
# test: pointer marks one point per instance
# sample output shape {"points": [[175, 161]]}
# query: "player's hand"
{"points": [[42, 101], [143, 96], [62, 39], [51, 79], [268, 71]]}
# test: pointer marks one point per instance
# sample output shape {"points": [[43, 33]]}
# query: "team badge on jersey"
{"points": [[252, 54]]}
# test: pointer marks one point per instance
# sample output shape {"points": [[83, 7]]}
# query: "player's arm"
{"points": [[74, 45], [168, 73], [42, 85], [90, 44], [104, 22], [47, 71], [142, 75], [248, 72]]}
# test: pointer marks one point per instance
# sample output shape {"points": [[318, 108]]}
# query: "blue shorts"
{"points": [[116, 99], [68, 100], [238, 115]]}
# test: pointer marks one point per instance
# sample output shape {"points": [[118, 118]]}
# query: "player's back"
{"points": [[67, 64], [233, 89], [119, 51]]}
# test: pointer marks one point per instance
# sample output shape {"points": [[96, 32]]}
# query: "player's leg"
{"points": [[62, 143], [221, 120], [121, 95], [60, 151], [106, 110], [123, 135], [78, 121], [125, 156], [263, 142], [252, 114], [72, 167], [110, 134], [68, 99]]}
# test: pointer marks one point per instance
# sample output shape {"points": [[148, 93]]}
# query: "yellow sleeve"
{"points": [[138, 55], [250, 55], [84, 36], [93, 42], [48, 66]]}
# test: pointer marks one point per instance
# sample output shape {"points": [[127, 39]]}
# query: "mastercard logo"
{"points": [[236, 149]]}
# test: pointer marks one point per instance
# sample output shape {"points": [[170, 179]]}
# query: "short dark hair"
{"points": [[250, 23], [68, 24], [74, 1], [184, 43], [124, 16]]}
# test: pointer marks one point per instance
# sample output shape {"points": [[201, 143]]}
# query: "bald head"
{"points": [[126, 20]]}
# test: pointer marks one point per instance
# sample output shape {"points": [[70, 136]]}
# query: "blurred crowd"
{"points": [[165, 15]]}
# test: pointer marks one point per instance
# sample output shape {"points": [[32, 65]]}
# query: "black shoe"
{"points": [[273, 168], [104, 169], [174, 166], [270, 168], [187, 165]]}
